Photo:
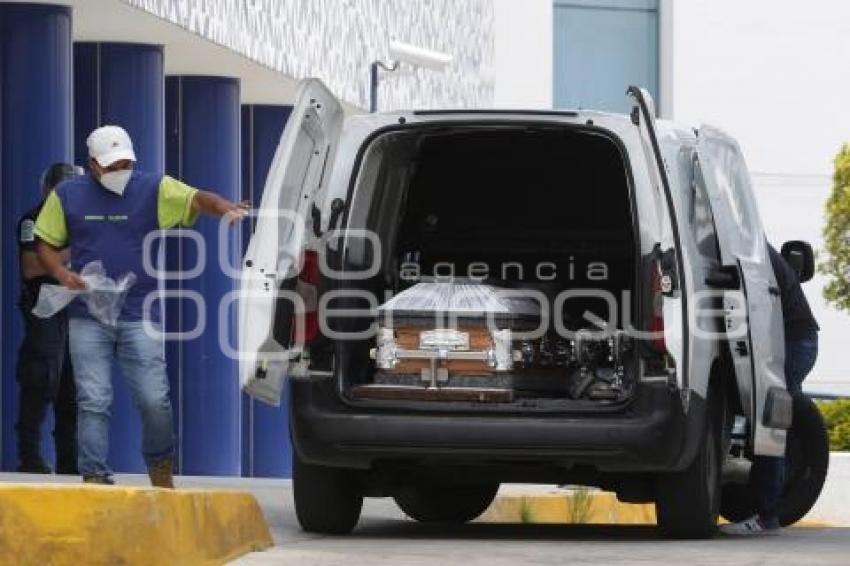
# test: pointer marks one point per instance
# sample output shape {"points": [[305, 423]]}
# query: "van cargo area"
{"points": [[497, 243]]}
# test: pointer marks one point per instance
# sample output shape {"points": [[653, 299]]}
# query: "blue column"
{"points": [[266, 450], [122, 84], [36, 118], [203, 150]]}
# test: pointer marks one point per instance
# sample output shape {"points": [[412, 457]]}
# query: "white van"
{"points": [[466, 298]]}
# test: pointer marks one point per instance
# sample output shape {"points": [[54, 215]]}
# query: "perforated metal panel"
{"points": [[337, 39]]}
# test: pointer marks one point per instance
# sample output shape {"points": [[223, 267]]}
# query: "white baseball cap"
{"points": [[109, 144]]}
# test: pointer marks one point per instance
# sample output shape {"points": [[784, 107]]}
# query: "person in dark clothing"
{"points": [[44, 371], [767, 475]]}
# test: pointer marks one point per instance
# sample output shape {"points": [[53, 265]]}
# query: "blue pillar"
{"points": [[122, 84], [36, 118], [266, 450], [203, 150]]}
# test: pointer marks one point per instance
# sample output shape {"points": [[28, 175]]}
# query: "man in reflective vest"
{"points": [[106, 216]]}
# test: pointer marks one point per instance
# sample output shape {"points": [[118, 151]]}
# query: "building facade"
{"points": [[205, 88]]}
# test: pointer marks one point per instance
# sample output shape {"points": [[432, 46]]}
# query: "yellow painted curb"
{"points": [[74, 525], [572, 507], [578, 506]]}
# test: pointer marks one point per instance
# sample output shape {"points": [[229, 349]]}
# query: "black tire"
{"points": [[327, 500], [448, 504], [806, 465], [687, 503]]}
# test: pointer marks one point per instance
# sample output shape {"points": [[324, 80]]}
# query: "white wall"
{"points": [[776, 74], [831, 507], [523, 54]]}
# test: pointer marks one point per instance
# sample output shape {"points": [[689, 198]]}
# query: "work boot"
{"points": [[160, 474], [98, 479]]}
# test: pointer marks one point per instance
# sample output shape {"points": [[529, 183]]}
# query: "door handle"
{"points": [[724, 277], [775, 291], [741, 348]]}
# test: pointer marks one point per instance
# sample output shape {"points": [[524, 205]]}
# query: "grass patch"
{"points": [[579, 504], [526, 514]]}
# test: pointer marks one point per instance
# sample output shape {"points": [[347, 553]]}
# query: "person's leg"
{"points": [[142, 359], [800, 357], [65, 417], [767, 476], [32, 406], [766, 483], [37, 370], [92, 347]]}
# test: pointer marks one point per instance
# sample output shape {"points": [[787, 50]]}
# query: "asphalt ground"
{"points": [[386, 536]]}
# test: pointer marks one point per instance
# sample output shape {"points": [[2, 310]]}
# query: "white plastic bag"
{"points": [[103, 295]]}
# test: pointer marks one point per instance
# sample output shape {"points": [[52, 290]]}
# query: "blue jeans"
{"points": [[94, 347], [767, 476]]}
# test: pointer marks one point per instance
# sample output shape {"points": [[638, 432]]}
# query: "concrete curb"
{"points": [[578, 506], [59, 524], [568, 506]]}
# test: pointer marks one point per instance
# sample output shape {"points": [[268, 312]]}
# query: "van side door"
{"points": [[752, 307]]}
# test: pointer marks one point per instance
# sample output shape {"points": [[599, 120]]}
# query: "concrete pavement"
{"points": [[386, 536]]}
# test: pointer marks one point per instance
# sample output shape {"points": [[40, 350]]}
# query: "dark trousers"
{"points": [[45, 376], [767, 476]]}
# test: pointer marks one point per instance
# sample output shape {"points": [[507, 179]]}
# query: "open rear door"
{"points": [[297, 179], [675, 297], [756, 335]]}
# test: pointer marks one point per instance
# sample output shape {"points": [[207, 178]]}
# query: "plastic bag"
{"points": [[103, 295]]}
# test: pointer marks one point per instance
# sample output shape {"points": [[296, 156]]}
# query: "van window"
{"points": [[700, 217], [730, 176]]}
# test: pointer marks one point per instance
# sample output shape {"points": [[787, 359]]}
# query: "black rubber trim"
{"points": [[500, 112], [653, 435], [752, 356]]}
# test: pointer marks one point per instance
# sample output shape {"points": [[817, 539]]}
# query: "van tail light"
{"points": [[656, 314], [307, 288]]}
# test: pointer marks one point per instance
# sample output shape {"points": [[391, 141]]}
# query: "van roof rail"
{"points": [[571, 113]]}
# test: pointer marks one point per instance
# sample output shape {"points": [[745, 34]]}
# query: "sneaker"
{"points": [[98, 479], [753, 526]]}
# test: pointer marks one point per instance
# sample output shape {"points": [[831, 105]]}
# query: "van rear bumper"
{"points": [[652, 434]]}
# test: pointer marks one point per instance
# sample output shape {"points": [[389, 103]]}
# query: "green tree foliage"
{"points": [[837, 234], [836, 415]]}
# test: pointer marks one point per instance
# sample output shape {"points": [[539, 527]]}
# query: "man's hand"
{"points": [[210, 203], [70, 279], [237, 212], [53, 260]]}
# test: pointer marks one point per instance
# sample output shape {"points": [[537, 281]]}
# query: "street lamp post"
{"points": [[374, 69], [404, 53]]}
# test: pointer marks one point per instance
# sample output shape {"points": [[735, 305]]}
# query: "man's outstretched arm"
{"points": [[210, 203]]}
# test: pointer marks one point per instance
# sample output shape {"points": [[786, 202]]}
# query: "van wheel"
{"points": [[454, 504], [806, 465], [326, 499], [687, 503]]}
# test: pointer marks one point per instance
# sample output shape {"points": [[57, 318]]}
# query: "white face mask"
{"points": [[116, 181]]}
